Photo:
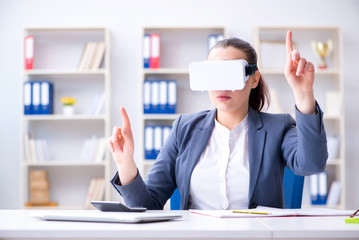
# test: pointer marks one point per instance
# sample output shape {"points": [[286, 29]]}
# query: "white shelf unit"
{"points": [[179, 46], [270, 46], [57, 54]]}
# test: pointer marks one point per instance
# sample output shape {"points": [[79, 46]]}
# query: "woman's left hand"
{"points": [[300, 76]]}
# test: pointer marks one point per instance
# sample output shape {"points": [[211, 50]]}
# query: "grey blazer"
{"points": [[274, 141]]}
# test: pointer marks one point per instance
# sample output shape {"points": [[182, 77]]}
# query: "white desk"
{"points": [[19, 224]]}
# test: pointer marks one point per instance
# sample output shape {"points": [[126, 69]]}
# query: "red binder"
{"points": [[29, 52], [155, 51]]}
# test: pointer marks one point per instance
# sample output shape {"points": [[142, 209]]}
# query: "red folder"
{"points": [[29, 52], [155, 51]]}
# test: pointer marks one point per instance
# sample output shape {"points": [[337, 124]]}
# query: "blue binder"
{"points": [[146, 50], [157, 140], [166, 130], [27, 98], [318, 188], [46, 102], [159, 96], [149, 142], [163, 96], [155, 95], [36, 97], [213, 39], [172, 96], [147, 106]]}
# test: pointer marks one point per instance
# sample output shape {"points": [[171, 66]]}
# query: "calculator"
{"points": [[110, 206]]}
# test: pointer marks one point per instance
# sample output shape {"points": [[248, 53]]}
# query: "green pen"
{"points": [[352, 218]]}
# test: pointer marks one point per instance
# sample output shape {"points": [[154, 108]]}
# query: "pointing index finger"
{"points": [[289, 42], [125, 119]]}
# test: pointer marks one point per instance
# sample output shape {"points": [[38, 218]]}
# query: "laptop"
{"points": [[110, 217]]}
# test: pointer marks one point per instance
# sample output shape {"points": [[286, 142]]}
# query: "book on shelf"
{"points": [[98, 104], [95, 192], [333, 103], [29, 49], [93, 150], [333, 144], [36, 150], [83, 57], [101, 147], [334, 194], [92, 56], [99, 55], [27, 148]]}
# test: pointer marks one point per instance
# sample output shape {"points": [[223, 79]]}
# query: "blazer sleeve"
{"points": [[160, 183], [304, 146]]}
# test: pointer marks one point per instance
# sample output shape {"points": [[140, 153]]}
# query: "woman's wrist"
{"points": [[127, 172], [305, 102]]}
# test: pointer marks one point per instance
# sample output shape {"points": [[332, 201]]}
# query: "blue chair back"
{"points": [[175, 200], [292, 187]]}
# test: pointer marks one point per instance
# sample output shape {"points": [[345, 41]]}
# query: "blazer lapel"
{"points": [[256, 140]]}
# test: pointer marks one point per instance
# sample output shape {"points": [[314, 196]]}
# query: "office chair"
{"points": [[292, 187]]}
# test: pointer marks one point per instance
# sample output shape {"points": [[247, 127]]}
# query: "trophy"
{"points": [[323, 50]]}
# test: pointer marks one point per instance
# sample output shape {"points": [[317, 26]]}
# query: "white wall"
{"points": [[125, 20]]}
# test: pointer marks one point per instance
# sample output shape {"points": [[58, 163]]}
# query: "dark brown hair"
{"points": [[259, 95]]}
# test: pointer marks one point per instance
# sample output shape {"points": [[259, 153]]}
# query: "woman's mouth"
{"points": [[223, 98]]}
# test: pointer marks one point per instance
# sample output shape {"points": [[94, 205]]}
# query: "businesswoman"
{"points": [[234, 155]]}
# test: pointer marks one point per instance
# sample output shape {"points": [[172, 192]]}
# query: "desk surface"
{"points": [[19, 224]]}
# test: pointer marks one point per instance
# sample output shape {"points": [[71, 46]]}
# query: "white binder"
{"points": [[163, 96], [155, 88], [27, 98], [147, 97], [157, 139], [149, 142], [172, 96], [36, 97]]}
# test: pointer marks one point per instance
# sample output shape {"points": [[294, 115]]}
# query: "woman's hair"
{"points": [[259, 95]]}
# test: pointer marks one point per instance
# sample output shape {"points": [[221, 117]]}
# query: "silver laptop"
{"points": [[112, 217]]}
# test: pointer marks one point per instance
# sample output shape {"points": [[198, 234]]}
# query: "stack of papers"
{"points": [[272, 212]]}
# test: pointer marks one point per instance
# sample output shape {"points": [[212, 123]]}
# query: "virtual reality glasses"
{"points": [[220, 74]]}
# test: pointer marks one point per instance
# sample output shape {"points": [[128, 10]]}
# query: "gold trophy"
{"points": [[323, 50]]}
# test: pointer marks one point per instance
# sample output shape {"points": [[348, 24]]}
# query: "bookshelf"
{"points": [[179, 46], [270, 46], [57, 55]]}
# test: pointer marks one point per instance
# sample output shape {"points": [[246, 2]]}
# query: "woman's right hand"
{"points": [[122, 147]]}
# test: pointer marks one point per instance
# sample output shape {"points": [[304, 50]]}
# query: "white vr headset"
{"points": [[220, 74]]}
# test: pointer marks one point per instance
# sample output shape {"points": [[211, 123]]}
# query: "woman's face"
{"points": [[231, 101]]}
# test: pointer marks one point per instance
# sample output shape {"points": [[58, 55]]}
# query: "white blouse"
{"points": [[220, 179]]}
